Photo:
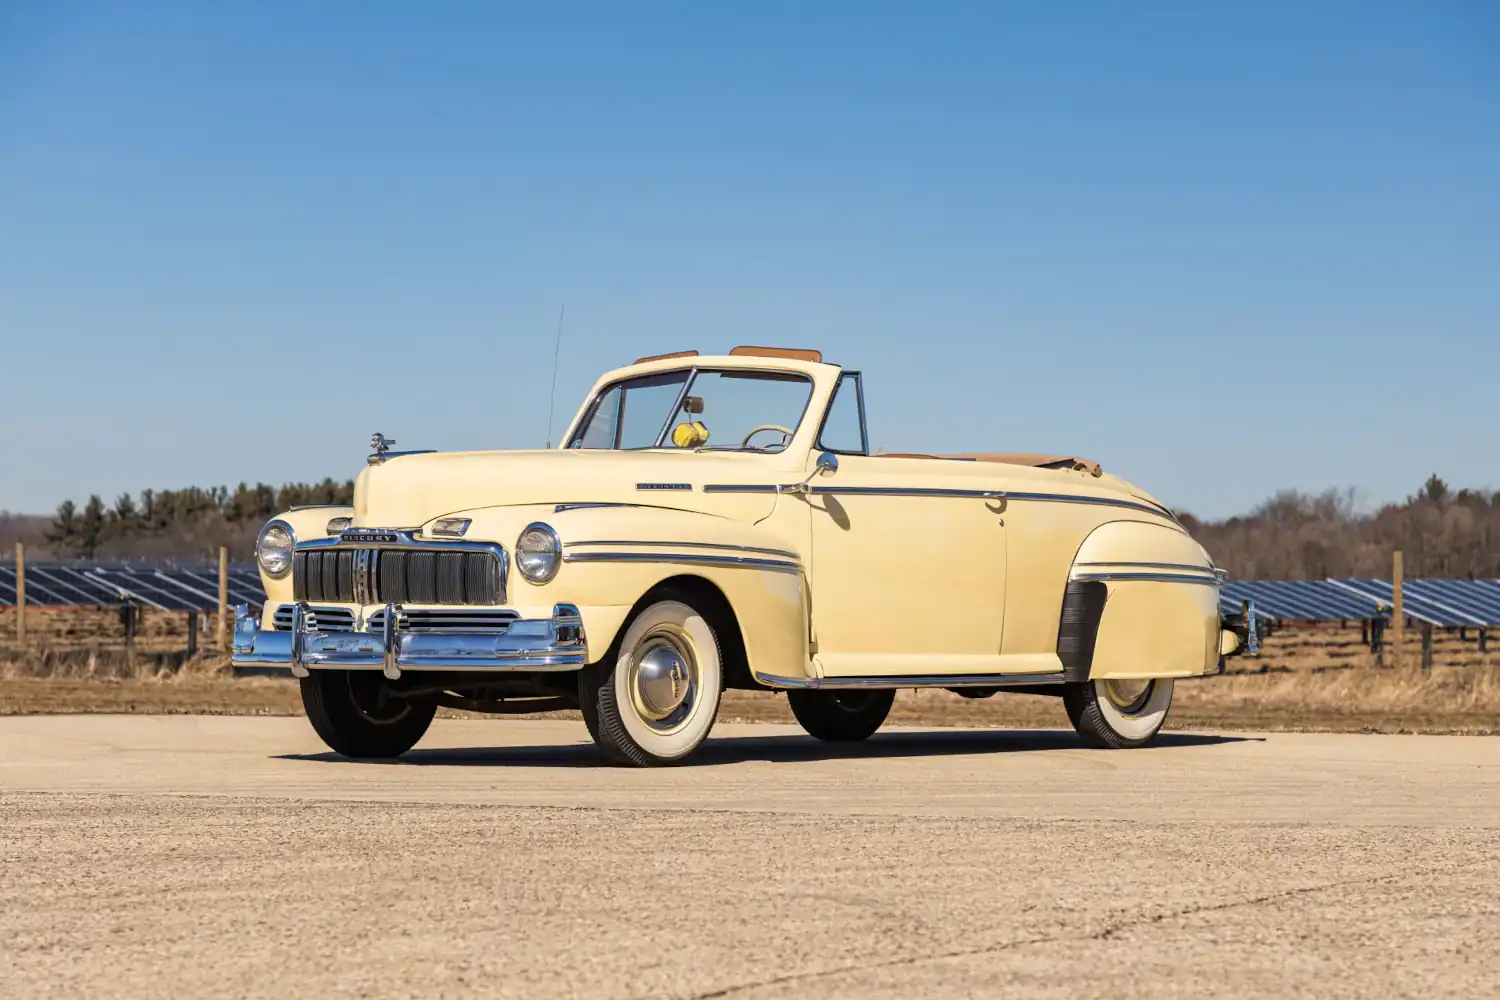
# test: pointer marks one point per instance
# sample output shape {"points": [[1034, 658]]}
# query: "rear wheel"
{"points": [[841, 716], [358, 714], [1117, 714], [654, 702]]}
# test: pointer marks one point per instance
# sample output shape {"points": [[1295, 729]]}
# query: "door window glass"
{"points": [[844, 428]]}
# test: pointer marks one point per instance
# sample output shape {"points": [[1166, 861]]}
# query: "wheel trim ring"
{"points": [[681, 644], [1125, 701]]}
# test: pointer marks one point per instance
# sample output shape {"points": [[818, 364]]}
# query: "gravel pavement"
{"points": [[220, 856]]}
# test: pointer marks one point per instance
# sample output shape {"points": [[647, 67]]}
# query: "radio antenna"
{"points": [[556, 352]]}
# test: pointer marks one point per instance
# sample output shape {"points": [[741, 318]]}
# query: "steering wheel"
{"points": [[786, 434]]}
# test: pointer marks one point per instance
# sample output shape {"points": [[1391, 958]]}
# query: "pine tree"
{"points": [[125, 516], [91, 527], [63, 534]]}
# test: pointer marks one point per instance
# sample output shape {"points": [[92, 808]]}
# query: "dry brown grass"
{"points": [[1320, 680]]}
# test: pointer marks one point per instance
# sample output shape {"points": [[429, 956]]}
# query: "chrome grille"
{"points": [[430, 620], [396, 576], [328, 619]]}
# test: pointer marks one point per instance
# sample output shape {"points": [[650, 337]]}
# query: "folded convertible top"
{"points": [[1035, 461]]}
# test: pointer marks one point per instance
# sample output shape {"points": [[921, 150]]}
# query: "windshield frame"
{"points": [[693, 371]]}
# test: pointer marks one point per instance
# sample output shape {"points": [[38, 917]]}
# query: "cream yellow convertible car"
{"points": [[715, 522]]}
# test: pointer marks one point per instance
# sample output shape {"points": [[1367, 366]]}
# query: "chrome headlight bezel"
{"points": [[274, 569], [552, 553]]}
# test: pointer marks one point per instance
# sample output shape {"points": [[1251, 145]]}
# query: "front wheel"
{"points": [[656, 700], [1116, 714], [359, 714], [841, 716]]}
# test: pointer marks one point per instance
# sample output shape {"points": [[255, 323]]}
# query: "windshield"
{"points": [[732, 410]]}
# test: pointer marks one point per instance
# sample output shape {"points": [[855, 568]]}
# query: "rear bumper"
{"points": [[544, 644]]}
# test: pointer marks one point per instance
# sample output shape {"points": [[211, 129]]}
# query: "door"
{"points": [[908, 568]]}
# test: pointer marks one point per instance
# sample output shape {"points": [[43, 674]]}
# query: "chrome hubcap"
{"points": [[1129, 696], [664, 678]]}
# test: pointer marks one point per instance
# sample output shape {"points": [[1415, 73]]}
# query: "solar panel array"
{"points": [[195, 587], [170, 587], [1444, 603]]}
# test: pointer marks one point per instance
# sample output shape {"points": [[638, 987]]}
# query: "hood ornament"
{"points": [[381, 449], [380, 445]]}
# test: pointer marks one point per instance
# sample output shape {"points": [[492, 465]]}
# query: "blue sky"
{"points": [[1223, 253]]}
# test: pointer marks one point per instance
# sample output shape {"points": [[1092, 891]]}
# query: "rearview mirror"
{"points": [[828, 463]]}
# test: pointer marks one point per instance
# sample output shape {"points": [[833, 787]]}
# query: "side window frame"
{"points": [[859, 397]]}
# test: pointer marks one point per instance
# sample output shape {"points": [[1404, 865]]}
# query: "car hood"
{"points": [[409, 490]]}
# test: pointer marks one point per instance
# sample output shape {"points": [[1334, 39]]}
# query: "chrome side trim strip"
{"points": [[1097, 501], [685, 558], [689, 545], [916, 491], [588, 505], [1207, 581], [1151, 565], [930, 680], [909, 491]]}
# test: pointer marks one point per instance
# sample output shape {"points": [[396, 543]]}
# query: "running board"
{"points": [[915, 681]]}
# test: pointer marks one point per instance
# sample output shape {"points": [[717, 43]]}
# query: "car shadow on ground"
{"points": [[789, 749]]}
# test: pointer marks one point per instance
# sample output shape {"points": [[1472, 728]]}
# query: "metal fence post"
{"points": [[1398, 616], [21, 593], [223, 630]]}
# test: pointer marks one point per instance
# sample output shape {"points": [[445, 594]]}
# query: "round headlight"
{"points": [[273, 549], [538, 553]]}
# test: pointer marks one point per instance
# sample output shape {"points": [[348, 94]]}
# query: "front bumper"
{"points": [[542, 644]]}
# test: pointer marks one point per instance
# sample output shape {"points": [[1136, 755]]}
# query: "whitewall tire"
{"points": [[655, 701], [1117, 714]]}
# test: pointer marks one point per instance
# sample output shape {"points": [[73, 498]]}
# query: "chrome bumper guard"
{"points": [[543, 644]]}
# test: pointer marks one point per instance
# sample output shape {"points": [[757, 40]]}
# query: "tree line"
{"points": [[186, 523], [1291, 536], [1304, 536]]}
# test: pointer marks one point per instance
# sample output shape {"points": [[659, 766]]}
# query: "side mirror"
{"points": [[827, 465]]}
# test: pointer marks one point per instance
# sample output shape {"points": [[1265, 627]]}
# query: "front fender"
{"points": [[613, 555]]}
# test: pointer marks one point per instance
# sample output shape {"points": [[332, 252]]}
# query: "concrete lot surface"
{"points": [[183, 856]]}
